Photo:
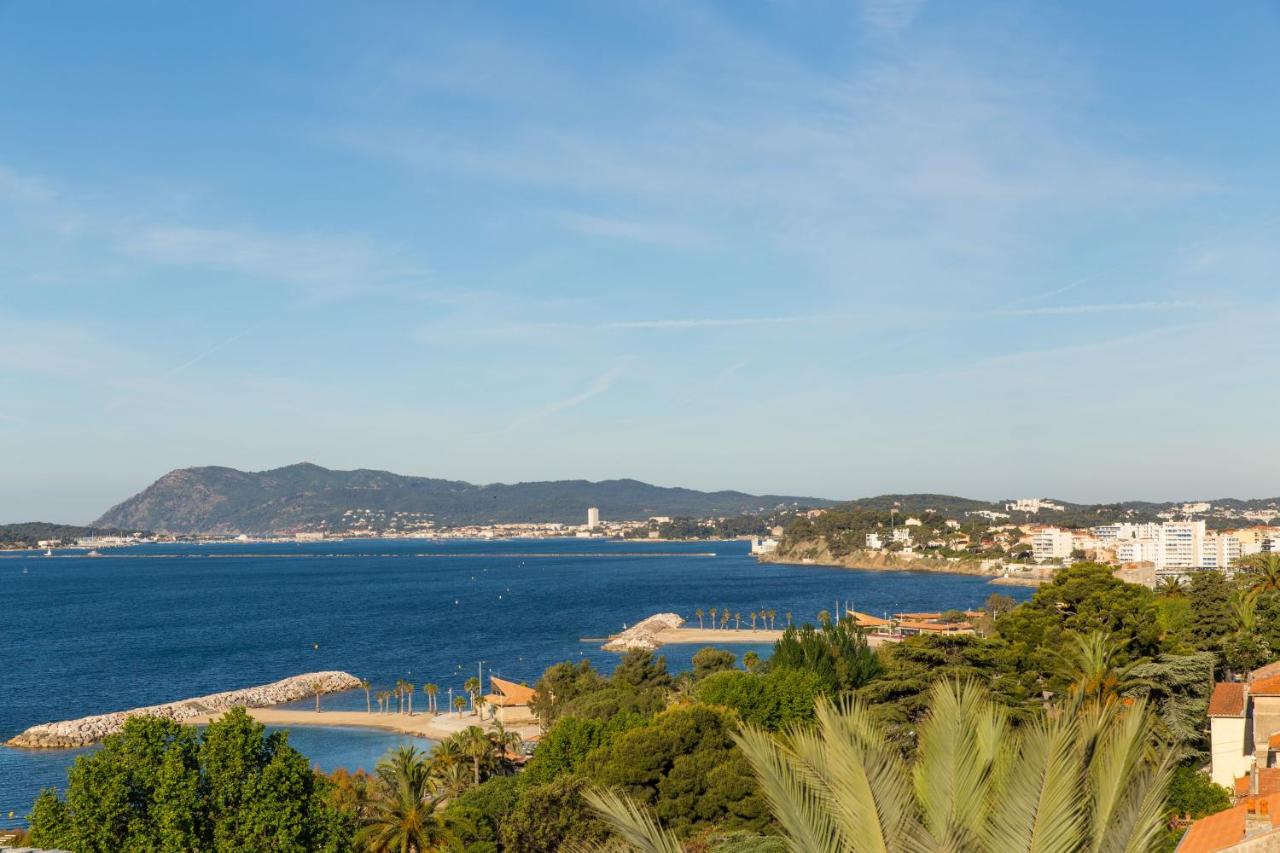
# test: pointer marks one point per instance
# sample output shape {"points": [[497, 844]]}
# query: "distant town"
{"points": [[1032, 536]]}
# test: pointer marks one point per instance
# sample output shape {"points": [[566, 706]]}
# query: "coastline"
{"points": [[429, 726], [811, 553]]}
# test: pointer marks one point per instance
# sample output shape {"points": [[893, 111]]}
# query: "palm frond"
{"points": [[634, 826]]}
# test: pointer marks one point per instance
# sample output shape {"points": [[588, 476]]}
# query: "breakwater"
{"points": [[86, 731]]}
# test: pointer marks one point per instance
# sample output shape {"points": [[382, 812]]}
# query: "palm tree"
{"points": [[737, 621], [504, 742], [823, 617], [431, 690], [1244, 609], [699, 614], [753, 621], [1090, 778], [773, 618], [1170, 587], [458, 704], [714, 611], [1091, 666], [317, 688], [480, 703], [472, 686], [368, 703], [406, 814], [1262, 571], [476, 746], [788, 618], [725, 616]]}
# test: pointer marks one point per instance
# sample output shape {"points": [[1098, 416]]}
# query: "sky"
{"points": [[789, 246]]}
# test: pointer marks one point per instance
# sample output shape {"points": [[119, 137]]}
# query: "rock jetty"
{"points": [[85, 731], [644, 634]]}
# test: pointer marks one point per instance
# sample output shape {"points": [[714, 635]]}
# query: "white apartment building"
{"points": [[1181, 545], [1033, 505], [1136, 550], [1220, 551], [1108, 533], [874, 542], [1051, 543], [593, 517], [902, 534]]}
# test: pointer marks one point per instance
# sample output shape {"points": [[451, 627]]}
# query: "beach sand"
{"points": [[419, 725]]}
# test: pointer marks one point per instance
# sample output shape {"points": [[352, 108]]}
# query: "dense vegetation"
{"points": [[707, 753], [222, 500], [27, 534]]}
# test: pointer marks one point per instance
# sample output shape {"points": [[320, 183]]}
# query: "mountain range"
{"points": [[217, 500]]}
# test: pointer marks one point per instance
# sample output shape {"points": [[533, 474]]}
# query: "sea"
{"points": [[83, 635]]}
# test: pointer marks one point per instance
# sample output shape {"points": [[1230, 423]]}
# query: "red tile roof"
{"points": [[1215, 832], [1268, 781], [1269, 686], [1273, 742], [1243, 785], [1228, 699], [1266, 671]]}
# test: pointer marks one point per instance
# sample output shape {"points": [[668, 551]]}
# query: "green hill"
{"points": [[225, 500]]}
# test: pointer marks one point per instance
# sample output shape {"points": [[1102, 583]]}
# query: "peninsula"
{"points": [[86, 731]]}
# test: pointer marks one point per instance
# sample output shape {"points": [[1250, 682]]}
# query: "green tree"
{"points": [[406, 813], [1092, 668], [710, 660], [684, 763], [552, 817], [1087, 779], [560, 684], [700, 614], [368, 700], [774, 700], [836, 651], [1081, 599], [1262, 571], [155, 786], [431, 690]]}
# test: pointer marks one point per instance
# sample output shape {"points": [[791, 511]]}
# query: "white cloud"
{"points": [[598, 386]]}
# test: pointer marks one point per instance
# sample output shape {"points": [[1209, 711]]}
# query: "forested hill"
{"points": [[225, 500]]}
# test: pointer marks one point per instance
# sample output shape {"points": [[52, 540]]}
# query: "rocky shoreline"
{"points": [[644, 634], [70, 734], [814, 552]]}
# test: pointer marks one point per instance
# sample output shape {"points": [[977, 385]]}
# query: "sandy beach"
{"points": [[715, 636], [434, 727]]}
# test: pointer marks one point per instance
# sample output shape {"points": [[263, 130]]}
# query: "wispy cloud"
{"points": [[331, 265], [600, 385], [632, 230], [888, 16], [673, 324], [1098, 308]]}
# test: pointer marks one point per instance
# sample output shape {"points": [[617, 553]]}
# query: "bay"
{"points": [[85, 635]]}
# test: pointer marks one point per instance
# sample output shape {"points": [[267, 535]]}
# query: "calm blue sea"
{"points": [[137, 626]]}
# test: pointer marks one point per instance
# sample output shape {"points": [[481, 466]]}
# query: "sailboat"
{"points": [[48, 552]]}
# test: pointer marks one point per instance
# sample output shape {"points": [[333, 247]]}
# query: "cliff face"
{"points": [[815, 551], [225, 500]]}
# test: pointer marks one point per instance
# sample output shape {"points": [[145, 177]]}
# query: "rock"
{"points": [[89, 730], [644, 634]]}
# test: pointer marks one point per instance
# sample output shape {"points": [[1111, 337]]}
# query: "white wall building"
{"points": [[593, 517], [1051, 543], [1033, 505], [874, 542]]}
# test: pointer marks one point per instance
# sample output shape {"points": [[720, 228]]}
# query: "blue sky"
{"points": [[828, 248]]}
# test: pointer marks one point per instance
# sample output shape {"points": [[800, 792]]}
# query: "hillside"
{"points": [[225, 500]]}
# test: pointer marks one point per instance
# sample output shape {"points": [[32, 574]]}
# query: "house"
{"points": [[1244, 733], [510, 702], [1253, 825]]}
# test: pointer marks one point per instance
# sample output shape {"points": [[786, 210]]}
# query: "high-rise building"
{"points": [[1051, 543], [593, 517]]}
